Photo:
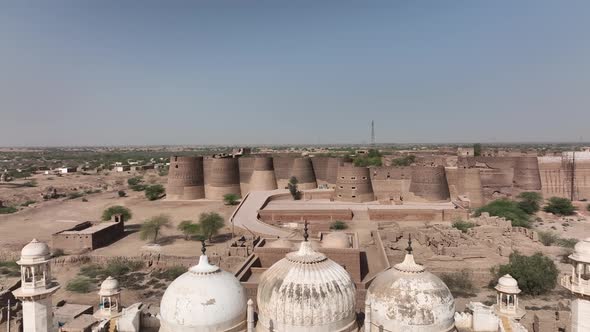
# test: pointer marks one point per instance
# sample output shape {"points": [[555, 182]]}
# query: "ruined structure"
{"points": [[263, 174], [185, 178], [222, 176], [430, 183], [89, 236], [353, 184]]}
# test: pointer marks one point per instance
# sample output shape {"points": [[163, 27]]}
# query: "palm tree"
{"points": [[151, 228]]}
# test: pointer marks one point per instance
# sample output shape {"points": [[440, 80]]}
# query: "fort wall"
{"points": [[282, 167], [391, 183], [326, 170], [246, 166], [185, 178], [263, 175], [430, 183], [222, 176], [302, 169], [353, 184], [526, 174]]}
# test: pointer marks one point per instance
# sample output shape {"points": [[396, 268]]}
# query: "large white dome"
{"points": [[306, 291], [407, 298], [204, 299]]}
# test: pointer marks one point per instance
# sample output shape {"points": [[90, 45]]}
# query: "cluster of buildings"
{"points": [[305, 290]]}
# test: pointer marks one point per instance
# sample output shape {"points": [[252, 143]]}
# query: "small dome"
{"points": [[204, 299], [35, 252], [280, 243], [582, 251], [336, 240], [507, 284], [110, 286], [305, 291], [408, 298]]}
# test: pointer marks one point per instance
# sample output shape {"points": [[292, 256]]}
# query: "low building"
{"points": [[67, 170], [87, 235]]}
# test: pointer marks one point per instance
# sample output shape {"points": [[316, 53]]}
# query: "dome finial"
{"points": [[203, 247], [305, 235], [409, 248]]}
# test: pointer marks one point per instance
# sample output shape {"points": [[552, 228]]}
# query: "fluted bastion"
{"points": [[282, 166], [185, 178], [246, 165], [302, 169], [222, 176], [326, 169], [263, 175], [353, 184], [430, 183], [526, 174]]}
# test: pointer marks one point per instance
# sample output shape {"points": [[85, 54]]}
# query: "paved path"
{"points": [[246, 214]]}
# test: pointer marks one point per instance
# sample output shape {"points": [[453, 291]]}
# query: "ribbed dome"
{"points": [[407, 298], [507, 284], [582, 251], [110, 286], [305, 291], [35, 252], [204, 299]]}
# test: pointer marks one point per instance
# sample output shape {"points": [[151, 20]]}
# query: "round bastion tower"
{"points": [[222, 177], [185, 178], [263, 176], [353, 184]]}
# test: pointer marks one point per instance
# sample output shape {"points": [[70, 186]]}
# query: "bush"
{"points": [[536, 274], [463, 226], [567, 243], [8, 209], [210, 224], [121, 193], [134, 181], [338, 225], [294, 188], [154, 192], [548, 238], [560, 206], [231, 199], [138, 187], [80, 284], [9, 269], [404, 161], [119, 267], [506, 209], [530, 202], [27, 203], [459, 283], [32, 183], [170, 273], [75, 194], [116, 209], [372, 158], [58, 252]]}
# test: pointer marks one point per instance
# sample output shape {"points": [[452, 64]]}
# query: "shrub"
{"points": [[560, 206], [9, 269], [134, 181], [567, 243], [154, 192], [152, 227], [548, 238], [32, 183], [404, 161], [119, 267], [372, 158], [80, 284], [507, 209], [75, 194], [231, 199], [536, 274], [463, 226], [116, 209], [530, 202], [8, 209], [91, 271], [170, 273], [338, 225], [294, 188], [210, 224], [27, 203], [459, 283], [121, 193], [138, 187], [58, 252]]}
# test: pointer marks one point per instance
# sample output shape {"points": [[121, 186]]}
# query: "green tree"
{"points": [[116, 209], [154, 192], [294, 188], [560, 206], [134, 181], [153, 226], [507, 209], [530, 202], [189, 229], [404, 161], [463, 226], [371, 158], [477, 149], [209, 224], [231, 199], [338, 225], [536, 274]]}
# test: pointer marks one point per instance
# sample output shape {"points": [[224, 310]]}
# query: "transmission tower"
{"points": [[372, 133]]}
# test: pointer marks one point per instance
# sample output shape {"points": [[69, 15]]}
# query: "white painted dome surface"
{"points": [[305, 291], [35, 252], [336, 240], [507, 284], [408, 298], [110, 286], [204, 299], [582, 251]]}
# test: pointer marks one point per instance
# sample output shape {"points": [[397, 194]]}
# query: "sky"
{"points": [[148, 72]]}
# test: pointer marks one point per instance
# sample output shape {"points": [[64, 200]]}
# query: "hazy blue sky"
{"points": [[226, 72]]}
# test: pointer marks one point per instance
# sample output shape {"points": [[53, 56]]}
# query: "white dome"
{"points": [[507, 284], [306, 291], [336, 240], [407, 298], [110, 286], [582, 251], [34, 252], [204, 299]]}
